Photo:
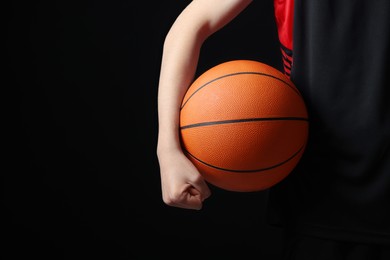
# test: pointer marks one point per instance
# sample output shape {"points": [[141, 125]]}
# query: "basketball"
{"points": [[244, 125]]}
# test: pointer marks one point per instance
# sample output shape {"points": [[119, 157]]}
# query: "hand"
{"points": [[182, 184]]}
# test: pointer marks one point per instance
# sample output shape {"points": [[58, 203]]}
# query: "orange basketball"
{"points": [[244, 125]]}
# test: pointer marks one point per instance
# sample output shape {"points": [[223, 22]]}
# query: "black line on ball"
{"points": [[239, 73], [243, 120], [248, 171]]}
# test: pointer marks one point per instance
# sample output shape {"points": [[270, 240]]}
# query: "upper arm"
{"points": [[205, 17]]}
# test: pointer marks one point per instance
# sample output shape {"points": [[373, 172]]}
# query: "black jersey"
{"points": [[338, 53]]}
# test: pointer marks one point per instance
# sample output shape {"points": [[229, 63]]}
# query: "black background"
{"points": [[83, 181]]}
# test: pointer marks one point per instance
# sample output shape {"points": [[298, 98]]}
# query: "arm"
{"points": [[182, 185]]}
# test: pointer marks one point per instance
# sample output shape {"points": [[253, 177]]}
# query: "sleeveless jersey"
{"points": [[338, 55]]}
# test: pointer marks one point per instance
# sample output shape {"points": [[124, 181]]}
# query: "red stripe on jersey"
{"points": [[284, 12]]}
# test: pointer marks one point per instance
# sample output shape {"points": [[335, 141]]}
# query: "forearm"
{"points": [[177, 71], [180, 57]]}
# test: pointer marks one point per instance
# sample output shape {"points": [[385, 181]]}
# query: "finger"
{"points": [[203, 189]]}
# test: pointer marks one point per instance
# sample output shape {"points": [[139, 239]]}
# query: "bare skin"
{"points": [[182, 184]]}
